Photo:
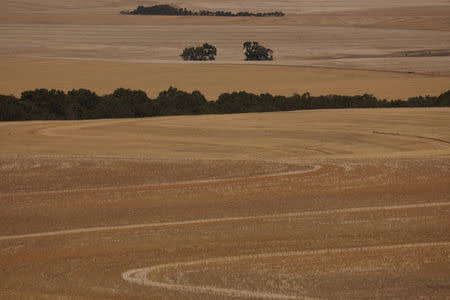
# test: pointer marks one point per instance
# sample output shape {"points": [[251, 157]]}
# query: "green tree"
{"points": [[10, 109], [137, 101], [176, 102], [50, 105], [254, 51], [205, 52]]}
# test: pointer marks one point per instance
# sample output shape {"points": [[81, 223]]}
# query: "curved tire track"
{"points": [[141, 276], [223, 220], [161, 186]]}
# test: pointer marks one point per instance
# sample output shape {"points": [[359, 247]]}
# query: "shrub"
{"points": [[205, 52], [254, 51]]}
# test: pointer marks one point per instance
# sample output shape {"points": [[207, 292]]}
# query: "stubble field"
{"points": [[286, 205], [274, 205], [377, 39]]}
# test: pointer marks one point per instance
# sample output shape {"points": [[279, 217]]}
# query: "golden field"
{"points": [[283, 205], [54, 44], [211, 79], [273, 205]]}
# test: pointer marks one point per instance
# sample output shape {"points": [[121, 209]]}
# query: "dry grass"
{"points": [[301, 45], [411, 18], [376, 208], [347, 35], [39, 6], [331, 203], [277, 136]]}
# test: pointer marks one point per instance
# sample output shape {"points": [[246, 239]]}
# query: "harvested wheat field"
{"points": [[284, 205], [22, 74], [378, 41], [272, 205]]}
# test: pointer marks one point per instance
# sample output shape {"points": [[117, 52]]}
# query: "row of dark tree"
{"points": [[42, 104], [168, 10]]}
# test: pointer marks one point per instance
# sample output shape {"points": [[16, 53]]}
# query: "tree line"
{"points": [[43, 104], [168, 10]]}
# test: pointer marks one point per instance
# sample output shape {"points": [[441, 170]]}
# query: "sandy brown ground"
{"points": [[247, 205]]}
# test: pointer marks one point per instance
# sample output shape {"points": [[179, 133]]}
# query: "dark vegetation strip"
{"points": [[43, 104], [168, 10]]}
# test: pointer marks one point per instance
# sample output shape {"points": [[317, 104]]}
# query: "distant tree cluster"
{"points": [[42, 104], [205, 52], [254, 51], [168, 10]]}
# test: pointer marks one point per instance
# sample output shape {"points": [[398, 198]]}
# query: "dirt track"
{"points": [[140, 276], [163, 203]]}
